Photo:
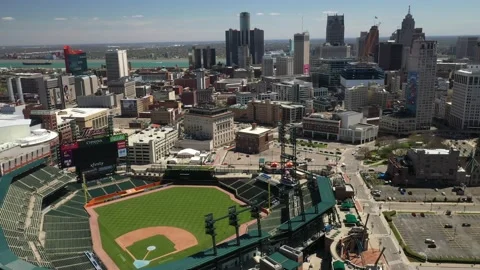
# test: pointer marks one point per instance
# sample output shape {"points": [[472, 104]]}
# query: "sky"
{"points": [[45, 22]]}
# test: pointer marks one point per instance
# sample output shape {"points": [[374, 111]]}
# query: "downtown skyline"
{"points": [[123, 22]]}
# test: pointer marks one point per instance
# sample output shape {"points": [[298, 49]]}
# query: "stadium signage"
{"points": [[92, 132], [97, 164], [95, 142]]}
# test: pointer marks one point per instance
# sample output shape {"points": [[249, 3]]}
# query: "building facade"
{"points": [[151, 145], [466, 47], [390, 56], [117, 64], [284, 66], [267, 66], [215, 124], [253, 140], [465, 111], [335, 30], [427, 167], [302, 53]]}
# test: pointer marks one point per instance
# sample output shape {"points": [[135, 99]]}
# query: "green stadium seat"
{"points": [[97, 192]]}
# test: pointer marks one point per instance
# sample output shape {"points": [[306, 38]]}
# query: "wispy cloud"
{"points": [[330, 12], [274, 14], [137, 16], [8, 18], [260, 14], [59, 19], [95, 19]]}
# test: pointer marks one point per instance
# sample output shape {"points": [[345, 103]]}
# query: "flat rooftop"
{"points": [[254, 131], [69, 113], [434, 151], [149, 134]]}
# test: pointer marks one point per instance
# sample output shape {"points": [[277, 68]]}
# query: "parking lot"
{"points": [[417, 194], [319, 157], [455, 242]]}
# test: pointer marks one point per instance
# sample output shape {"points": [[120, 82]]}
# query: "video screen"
{"points": [[93, 158]]}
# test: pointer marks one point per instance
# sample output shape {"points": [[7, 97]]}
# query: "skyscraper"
{"points": [[75, 61], [197, 58], [232, 41], [267, 66], [257, 45], [244, 28], [335, 30], [405, 34], [421, 78], [465, 47], [117, 64], [371, 44], [302, 53], [209, 57], [466, 99], [361, 44], [390, 55]]}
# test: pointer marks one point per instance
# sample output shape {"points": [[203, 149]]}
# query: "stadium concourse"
{"points": [[43, 223]]}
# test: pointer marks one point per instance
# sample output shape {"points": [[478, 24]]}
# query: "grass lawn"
{"points": [[161, 243], [181, 207]]}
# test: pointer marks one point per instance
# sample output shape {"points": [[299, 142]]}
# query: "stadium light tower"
{"points": [[210, 230], [233, 221]]}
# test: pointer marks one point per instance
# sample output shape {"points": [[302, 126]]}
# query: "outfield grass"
{"points": [[181, 207], [162, 245]]}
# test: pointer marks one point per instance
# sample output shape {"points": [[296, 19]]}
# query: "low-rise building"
{"points": [[125, 86], [427, 167], [253, 140], [346, 126], [208, 123], [151, 145], [244, 97]]}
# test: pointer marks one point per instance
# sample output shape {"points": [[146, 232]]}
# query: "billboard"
{"points": [[94, 158], [411, 93]]}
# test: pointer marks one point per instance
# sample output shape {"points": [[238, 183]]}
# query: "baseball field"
{"points": [[163, 226]]}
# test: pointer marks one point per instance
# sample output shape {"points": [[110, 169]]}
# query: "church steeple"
{"points": [[408, 9]]}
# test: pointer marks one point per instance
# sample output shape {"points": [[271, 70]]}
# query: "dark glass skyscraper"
{"points": [[335, 30], [232, 41], [244, 28], [257, 45], [390, 56], [209, 57]]}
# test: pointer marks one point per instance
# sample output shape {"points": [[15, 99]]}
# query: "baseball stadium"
{"points": [[185, 218]]}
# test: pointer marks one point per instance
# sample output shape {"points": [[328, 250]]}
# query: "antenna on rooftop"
{"points": [[302, 23]]}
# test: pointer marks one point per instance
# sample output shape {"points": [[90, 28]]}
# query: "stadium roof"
{"points": [[327, 201], [286, 263]]}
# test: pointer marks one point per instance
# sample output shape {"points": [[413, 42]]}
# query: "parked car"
{"points": [[466, 224], [448, 226]]}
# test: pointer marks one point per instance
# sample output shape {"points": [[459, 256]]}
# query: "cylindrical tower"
{"points": [[244, 28]]}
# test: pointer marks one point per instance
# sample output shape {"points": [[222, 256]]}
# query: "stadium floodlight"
{"points": [[233, 216]]}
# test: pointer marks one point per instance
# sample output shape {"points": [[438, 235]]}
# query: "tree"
{"points": [[364, 153]]}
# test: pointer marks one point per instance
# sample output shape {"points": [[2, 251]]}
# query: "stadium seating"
{"points": [[97, 192], [126, 185], [111, 189]]}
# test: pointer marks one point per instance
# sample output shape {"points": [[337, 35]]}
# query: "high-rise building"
{"points": [[335, 30], [75, 61], [405, 34], [302, 53], [371, 44], [232, 41], [197, 57], [361, 73], [465, 110], [267, 66], [257, 46], [421, 78], [361, 44], [244, 28], [390, 55], [244, 57], [477, 53], [291, 47], [209, 57], [284, 66], [466, 47], [117, 64]]}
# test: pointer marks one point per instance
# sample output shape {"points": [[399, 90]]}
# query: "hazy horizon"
{"points": [[147, 21]]}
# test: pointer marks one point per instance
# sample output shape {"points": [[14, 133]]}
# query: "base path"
{"points": [[181, 238]]}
